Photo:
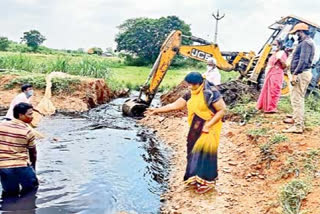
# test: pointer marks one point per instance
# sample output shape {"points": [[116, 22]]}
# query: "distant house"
{"points": [[107, 54]]}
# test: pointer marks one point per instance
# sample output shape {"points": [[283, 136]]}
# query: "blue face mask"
{"points": [[29, 93]]}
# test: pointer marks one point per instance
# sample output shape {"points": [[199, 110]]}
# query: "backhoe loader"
{"points": [[250, 65]]}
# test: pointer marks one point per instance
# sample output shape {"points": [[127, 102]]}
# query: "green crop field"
{"points": [[112, 69]]}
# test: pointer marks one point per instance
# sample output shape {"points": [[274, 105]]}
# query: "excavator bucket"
{"points": [[134, 108]]}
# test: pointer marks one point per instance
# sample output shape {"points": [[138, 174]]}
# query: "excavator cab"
{"points": [[281, 31]]}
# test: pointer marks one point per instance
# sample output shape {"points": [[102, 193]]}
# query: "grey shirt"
{"points": [[302, 57]]}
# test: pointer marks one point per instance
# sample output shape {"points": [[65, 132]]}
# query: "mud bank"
{"points": [[88, 94], [247, 182], [232, 92]]}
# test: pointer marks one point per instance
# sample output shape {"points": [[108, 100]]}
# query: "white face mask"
{"points": [[210, 67], [274, 47], [29, 93]]}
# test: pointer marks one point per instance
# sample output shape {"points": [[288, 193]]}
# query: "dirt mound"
{"points": [[89, 93], [232, 92], [174, 94]]}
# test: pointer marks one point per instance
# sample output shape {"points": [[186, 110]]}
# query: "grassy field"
{"points": [[117, 74], [133, 77]]}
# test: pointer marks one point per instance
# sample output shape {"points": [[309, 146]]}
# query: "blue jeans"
{"points": [[13, 178]]}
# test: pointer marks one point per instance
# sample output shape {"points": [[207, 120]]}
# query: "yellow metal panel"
{"points": [[251, 56], [261, 63], [238, 58], [168, 51], [285, 90], [203, 52]]}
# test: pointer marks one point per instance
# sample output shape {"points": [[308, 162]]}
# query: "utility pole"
{"points": [[217, 17]]}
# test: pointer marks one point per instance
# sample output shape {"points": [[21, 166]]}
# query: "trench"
{"points": [[97, 162]]}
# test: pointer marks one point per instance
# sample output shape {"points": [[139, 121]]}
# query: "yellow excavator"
{"points": [[249, 64]]}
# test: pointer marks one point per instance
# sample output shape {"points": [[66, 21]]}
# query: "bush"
{"points": [[4, 43], [16, 47], [292, 194], [133, 61]]}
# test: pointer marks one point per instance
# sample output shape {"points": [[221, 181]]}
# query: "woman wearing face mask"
{"points": [[23, 97], [205, 111], [212, 74], [271, 90]]}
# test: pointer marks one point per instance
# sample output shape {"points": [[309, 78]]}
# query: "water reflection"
{"points": [[97, 162], [26, 203]]}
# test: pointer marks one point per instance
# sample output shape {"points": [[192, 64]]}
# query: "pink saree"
{"points": [[271, 90]]}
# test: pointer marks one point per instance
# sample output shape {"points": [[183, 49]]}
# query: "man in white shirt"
{"points": [[23, 97], [212, 74]]}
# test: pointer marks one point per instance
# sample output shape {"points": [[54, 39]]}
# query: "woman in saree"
{"points": [[271, 90], [205, 111]]}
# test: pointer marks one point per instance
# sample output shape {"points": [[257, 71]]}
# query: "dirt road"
{"points": [[246, 183]]}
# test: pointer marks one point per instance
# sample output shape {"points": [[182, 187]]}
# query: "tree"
{"points": [[143, 37], [33, 39], [4, 43]]}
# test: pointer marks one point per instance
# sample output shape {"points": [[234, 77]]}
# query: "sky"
{"points": [[73, 24]]}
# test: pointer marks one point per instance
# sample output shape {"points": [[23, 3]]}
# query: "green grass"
{"points": [[292, 194], [133, 77], [267, 150], [303, 165], [312, 110], [59, 85], [278, 138], [92, 66], [246, 112], [258, 132], [117, 74], [284, 105]]}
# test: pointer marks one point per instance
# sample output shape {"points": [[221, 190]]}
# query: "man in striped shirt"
{"points": [[18, 153]]}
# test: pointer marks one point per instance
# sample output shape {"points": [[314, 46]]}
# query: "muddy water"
{"points": [[97, 162]]}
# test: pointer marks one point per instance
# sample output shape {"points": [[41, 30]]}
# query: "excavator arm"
{"points": [[170, 48]]}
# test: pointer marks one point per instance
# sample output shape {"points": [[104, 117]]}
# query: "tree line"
{"points": [[139, 39]]}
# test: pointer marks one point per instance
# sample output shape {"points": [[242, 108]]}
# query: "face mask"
{"points": [[210, 67], [274, 47], [29, 93]]}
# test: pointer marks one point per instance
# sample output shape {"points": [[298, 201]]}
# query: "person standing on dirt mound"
{"points": [[301, 76], [212, 74], [271, 90], [23, 97], [205, 111]]}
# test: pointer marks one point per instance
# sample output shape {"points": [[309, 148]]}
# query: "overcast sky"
{"points": [[73, 24]]}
